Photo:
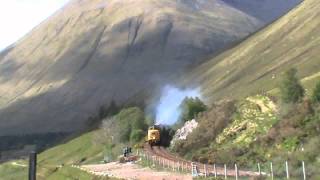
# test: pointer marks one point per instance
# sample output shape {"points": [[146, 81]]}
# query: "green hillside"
{"points": [[256, 64], [56, 162]]}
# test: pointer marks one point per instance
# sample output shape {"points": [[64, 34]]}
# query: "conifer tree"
{"points": [[290, 88]]}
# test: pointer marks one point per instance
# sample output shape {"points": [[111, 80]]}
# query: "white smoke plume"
{"points": [[168, 109]]}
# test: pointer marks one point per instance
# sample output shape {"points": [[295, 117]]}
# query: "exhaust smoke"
{"points": [[168, 109]]}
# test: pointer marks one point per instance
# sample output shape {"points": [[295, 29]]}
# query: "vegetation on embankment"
{"points": [[261, 129], [258, 131]]}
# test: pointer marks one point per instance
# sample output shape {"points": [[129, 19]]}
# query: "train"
{"points": [[153, 137]]}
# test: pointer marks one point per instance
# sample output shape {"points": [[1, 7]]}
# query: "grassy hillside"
{"points": [[256, 64], [81, 148], [56, 162]]}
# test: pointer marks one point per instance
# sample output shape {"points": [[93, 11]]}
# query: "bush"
{"points": [[137, 135], [316, 93], [290, 88], [209, 126], [191, 107], [107, 133], [130, 120]]}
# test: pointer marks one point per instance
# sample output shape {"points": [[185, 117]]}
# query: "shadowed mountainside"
{"points": [[264, 10]]}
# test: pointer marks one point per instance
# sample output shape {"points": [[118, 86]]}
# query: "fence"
{"points": [[283, 171], [165, 164]]}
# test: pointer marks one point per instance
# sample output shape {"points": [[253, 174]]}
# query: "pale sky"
{"points": [[18, 17]]}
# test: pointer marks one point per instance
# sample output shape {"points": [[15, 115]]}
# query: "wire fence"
{"points": [[270, 170]]}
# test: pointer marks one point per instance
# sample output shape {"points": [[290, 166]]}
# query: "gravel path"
{"points": [[132, 171]]}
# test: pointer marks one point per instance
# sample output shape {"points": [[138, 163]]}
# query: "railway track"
{"points": [[165, 157]]}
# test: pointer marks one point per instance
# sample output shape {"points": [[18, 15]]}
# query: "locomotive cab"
{"points": [[153, 135]]}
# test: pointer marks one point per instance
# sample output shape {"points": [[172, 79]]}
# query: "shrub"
{"points": [[137, 135], [210, 125], [107, 133], [290, 88], [130, 120], [191, 107], [316, 93]]}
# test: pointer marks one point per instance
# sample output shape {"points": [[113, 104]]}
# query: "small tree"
{"points": [[290, 88], [137, 135], [191, 107], [129, 120], [316, 93]]}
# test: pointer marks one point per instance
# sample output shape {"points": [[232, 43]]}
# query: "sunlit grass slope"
{"points": [[256, 64], [56, 163], [79, 150]]}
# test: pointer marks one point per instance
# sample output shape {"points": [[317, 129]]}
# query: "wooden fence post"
{"points": [[236, 171], [205, 170], [173, 166], [287, 170], [182, 167], [259, 169], [147, 159], [271, 170], [304, 171], [225, 171]]}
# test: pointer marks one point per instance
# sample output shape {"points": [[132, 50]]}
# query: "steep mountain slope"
{"points": [[257, 64], [95, 51], [264, 10]]}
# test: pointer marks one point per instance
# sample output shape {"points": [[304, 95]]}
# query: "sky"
{"points": [[168, 110], [18, 17]]}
